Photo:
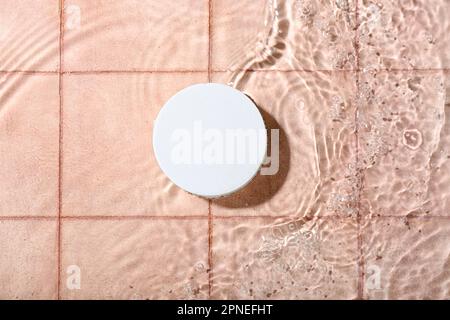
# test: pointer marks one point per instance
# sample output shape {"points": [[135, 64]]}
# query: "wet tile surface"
{"points": [[29, 134], [404, 34], [136, 35], [151, 259], [28, 268], [105, 132], [354, 206], [403, 142], [29, 35], [285, 259], [286, 35], [438, 186], [314, 172], [407, 258]]}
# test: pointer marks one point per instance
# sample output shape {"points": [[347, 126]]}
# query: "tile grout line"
{"points": [[210, 252], [61, 72], [30, 218], [30, 72], [360, 293], [210, 216], [136, 217], [99, 72], [93, 72], [209, 40], [60, 156], [205, 217]]}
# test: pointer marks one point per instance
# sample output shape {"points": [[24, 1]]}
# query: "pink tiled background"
{"points": [[79, 184]]}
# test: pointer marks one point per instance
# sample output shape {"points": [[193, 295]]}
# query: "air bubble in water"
{"points": [[343, 5], [199, 267], [412, 138]]}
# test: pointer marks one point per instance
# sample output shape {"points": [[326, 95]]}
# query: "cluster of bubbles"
{"points": [[287, 257], [334, 25]]}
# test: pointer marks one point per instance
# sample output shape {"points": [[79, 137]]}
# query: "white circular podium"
{"points": [[210, 139]]}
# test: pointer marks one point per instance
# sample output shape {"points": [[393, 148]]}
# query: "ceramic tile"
{"points": [[29, 133], [29, 267], [407, 258], [109, 165], [136, 35], [403, 142], [353, 205], [29, 35], [152, 259], [312, 35], [439, 183], [236, 31], [314, 172], [404, 34], [291, 259]]}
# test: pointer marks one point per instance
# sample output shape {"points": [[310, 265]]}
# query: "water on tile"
{"points": [[360, 204]]}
